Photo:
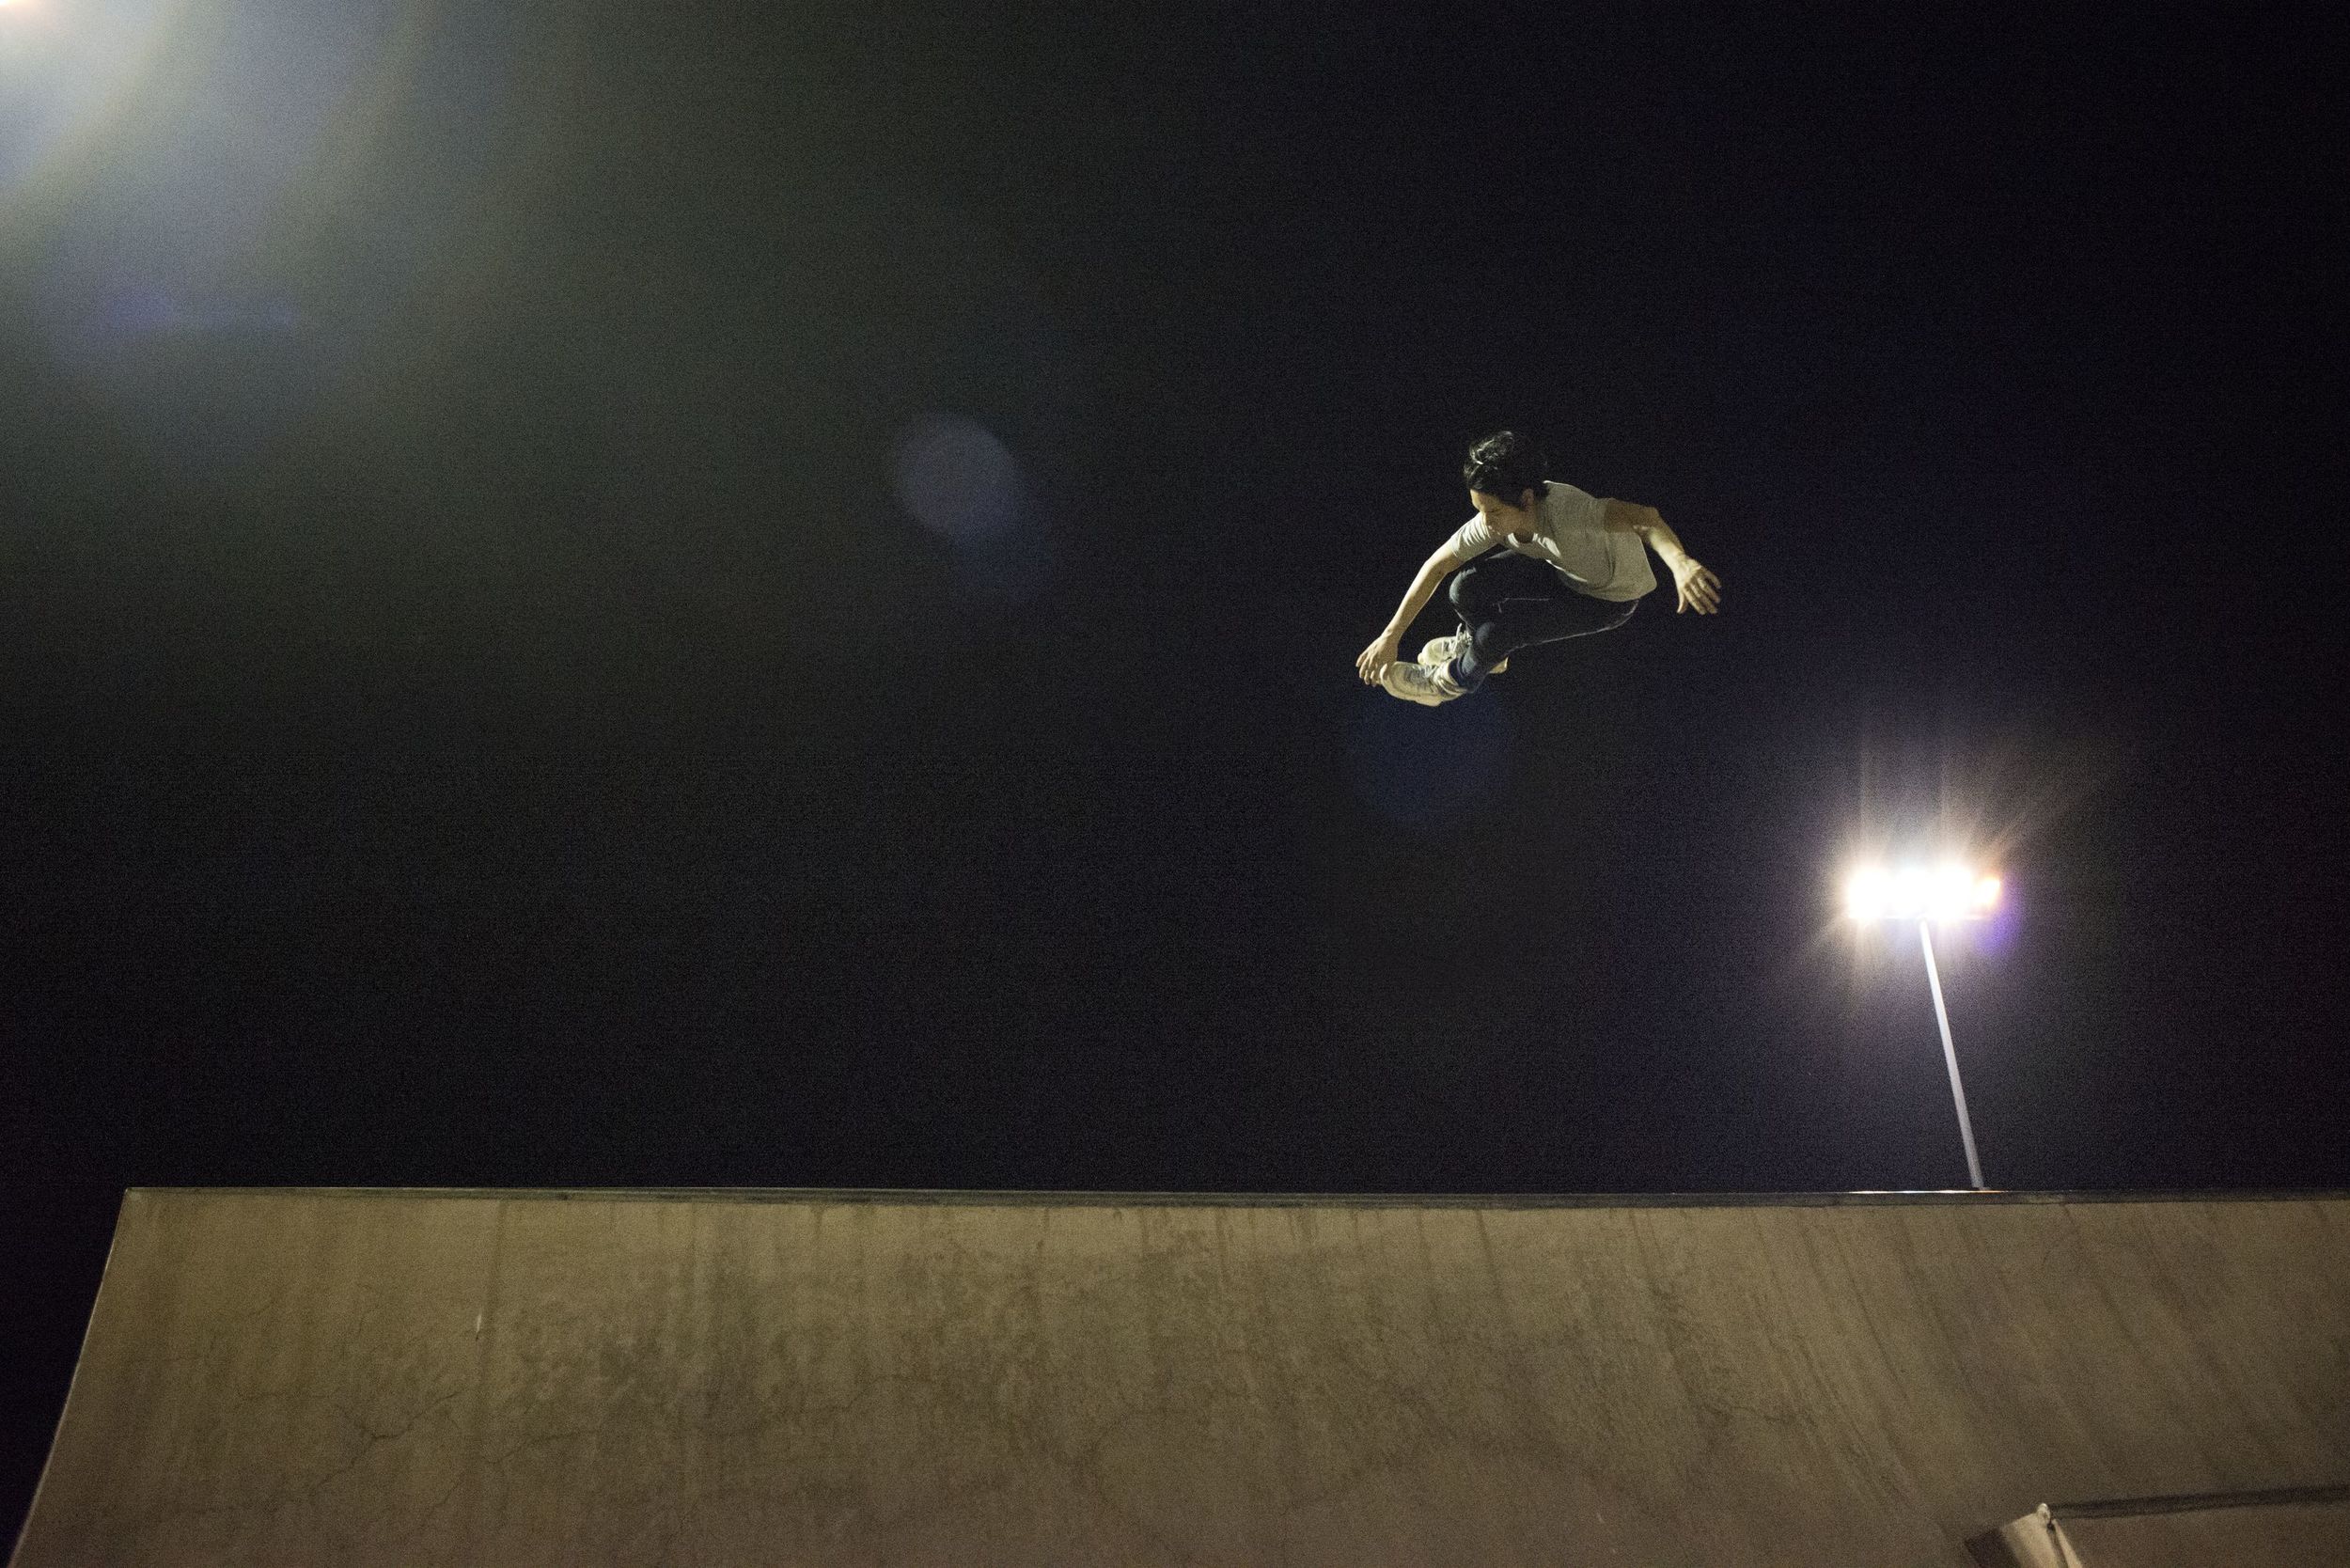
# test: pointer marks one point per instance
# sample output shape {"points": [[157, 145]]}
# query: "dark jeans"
{"points": [[1508, 602]]}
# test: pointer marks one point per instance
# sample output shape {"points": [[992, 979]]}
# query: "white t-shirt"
{"points": [[1572, 534]]}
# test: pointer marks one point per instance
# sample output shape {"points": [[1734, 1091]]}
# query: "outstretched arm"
{"points": [[1381, 653], [1697, 588]]}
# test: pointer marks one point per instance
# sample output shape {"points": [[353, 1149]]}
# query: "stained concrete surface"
{"points": [[525, 1379]]}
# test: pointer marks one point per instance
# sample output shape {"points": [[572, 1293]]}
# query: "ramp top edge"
{"points": [[2290, 1496], [978, 1197]]}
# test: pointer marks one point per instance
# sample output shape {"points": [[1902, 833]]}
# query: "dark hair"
{"points": [[1506, 465]]}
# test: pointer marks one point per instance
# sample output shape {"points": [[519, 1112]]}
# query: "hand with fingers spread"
{"points": [[1699, 588]]}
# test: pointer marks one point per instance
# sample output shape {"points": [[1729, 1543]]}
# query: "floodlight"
{"points": [[1949, 891], [1911, 891]]}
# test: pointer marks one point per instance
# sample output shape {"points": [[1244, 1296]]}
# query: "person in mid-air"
{"points": [[1570, 564]]}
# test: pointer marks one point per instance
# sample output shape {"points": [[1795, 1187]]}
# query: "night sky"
{"points": [[592, 595]]}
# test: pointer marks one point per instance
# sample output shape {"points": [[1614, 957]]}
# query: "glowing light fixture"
{"points": [[1916, 892], [1947, 892]]}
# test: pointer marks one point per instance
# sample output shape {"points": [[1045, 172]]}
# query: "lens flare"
{"points": [[1866, 895]]}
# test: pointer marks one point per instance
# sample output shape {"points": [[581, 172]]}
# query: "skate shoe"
{"points": [[1441, 652], [1426, 684]]}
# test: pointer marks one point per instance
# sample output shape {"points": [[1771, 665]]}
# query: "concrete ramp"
{"points": [[619, 1379]]}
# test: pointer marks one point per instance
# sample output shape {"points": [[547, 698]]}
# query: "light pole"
{"points": [[1950, 893]]}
